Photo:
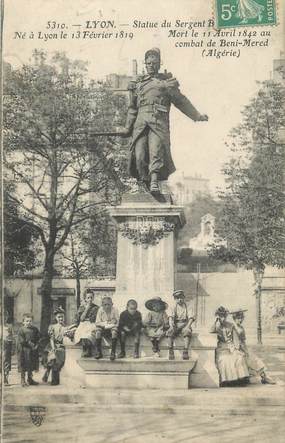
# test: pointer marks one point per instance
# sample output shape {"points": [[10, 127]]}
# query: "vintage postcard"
{"points": [[143, 284]]}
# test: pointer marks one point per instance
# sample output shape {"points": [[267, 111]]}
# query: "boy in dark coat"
{"points": [[130, 323], [27, 350]]}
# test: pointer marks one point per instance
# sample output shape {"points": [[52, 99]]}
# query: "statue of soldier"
{"points": [[148, 122]]}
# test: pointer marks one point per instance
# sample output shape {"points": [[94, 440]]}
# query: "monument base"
{"points": [[144, 373], [148, 372], [146, 259]]}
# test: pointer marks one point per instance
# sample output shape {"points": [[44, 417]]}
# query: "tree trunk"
{"points": [[258, 276], [78, 289], [46, 289]]}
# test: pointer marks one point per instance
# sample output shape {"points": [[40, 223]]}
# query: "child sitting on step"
{"points": [[106, 326], [255, 365], [180, 321], [156, 322], [130, 324], [85, 321]]}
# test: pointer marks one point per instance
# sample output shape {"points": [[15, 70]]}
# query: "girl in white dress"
{"points": [[85, 321]]}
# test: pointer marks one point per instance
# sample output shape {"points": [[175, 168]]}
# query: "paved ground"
{"points": [[252, 414]]}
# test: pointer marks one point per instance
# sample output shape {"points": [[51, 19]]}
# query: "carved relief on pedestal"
{"points": [[145, 231]]}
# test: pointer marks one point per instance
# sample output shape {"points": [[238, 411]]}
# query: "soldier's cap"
{"points": [[154, 52], [58, 310], [178, 294], [156, 301], [238, 312]]}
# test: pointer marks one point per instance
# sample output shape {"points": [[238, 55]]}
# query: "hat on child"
{"points": [[59, 310], [156, 301], [238, 312], [178, 294], [222, 311]]}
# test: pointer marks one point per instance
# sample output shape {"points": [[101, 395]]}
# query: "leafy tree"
{"points": [[62, 174], [252, 214], [75, 258], [102, 239], [89, 251], [19, 238]]}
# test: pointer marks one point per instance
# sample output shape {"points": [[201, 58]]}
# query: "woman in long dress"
{"points": [[255, 365], [249, 9], [230, 362]]}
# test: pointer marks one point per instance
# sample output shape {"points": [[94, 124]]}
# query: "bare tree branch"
{"points": [[28, 183], [29, 210]]}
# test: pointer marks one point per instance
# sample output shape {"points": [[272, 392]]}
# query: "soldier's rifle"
{"points": [[107, 134], [90, 133]]}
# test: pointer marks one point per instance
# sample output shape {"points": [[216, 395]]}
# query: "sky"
{"points": [[217, 87]]}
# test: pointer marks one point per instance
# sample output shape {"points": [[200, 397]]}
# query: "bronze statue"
{"points": [[148, 122]]}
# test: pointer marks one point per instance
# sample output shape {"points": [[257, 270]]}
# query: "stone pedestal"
{"points": [[146, 251], [204, 374], [71, 369]]}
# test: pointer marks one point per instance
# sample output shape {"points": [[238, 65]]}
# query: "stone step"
{"points": [[143, 373], [268, 396], [274, 411], [146, 364]]}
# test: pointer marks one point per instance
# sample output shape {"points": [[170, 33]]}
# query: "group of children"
{"points": [[234, 362], [94, 323]]}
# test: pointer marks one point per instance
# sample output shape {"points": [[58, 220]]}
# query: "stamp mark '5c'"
{"points": [[232, 13]]}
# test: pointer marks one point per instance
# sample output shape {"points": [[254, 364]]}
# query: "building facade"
{"points": [[187, 188]]}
